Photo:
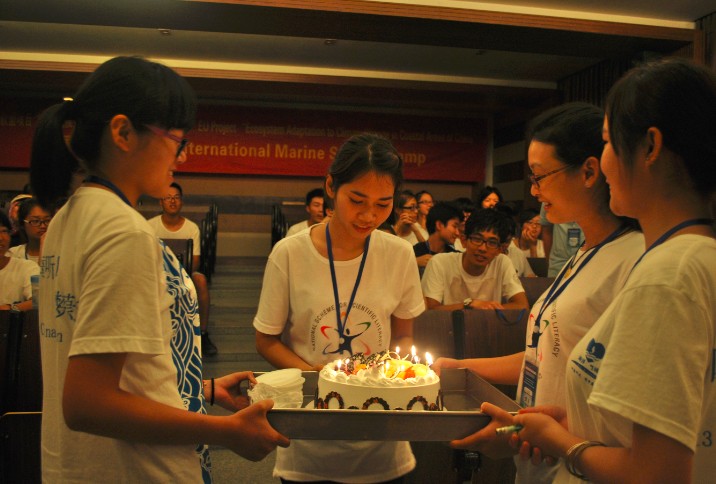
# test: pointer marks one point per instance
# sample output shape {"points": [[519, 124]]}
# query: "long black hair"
{"points": [[146, 92]]}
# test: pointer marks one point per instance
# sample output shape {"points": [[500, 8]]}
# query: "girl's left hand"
{"points": [[227, 392], [541, 437]]}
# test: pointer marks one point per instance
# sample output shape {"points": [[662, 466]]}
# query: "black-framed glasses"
{"points": [[163, 132], [36, 222], [412, 208], [536, 179], [172, 198], [477, 241]]}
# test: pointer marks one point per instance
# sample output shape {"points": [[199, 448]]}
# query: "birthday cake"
{"points": [[381, 381]]}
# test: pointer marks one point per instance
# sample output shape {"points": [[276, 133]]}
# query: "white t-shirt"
{"points": [[539, 249], [296, 228], [102, 290], [188, 230], [15, 284], [446, 281], [412, 238], [519, 261], [564, 323], [650, 358], [20, 251], [297, 302]]}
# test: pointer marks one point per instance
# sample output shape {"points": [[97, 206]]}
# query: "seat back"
{"points": [[535, 287], [433, 332], [539, 265], [21, 384], [490, 333], [183, 250]]}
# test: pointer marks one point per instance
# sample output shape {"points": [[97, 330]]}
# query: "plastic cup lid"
{"points": [[279, 378]]}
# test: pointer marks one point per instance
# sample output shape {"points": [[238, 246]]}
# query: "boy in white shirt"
{"points": [[172, 225], [482, 276]]}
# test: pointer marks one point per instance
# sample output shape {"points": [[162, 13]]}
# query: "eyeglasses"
{"points": [[162, 132], [477, 241], [36, 222], [536, 179], [172, 198], [412, 208]]}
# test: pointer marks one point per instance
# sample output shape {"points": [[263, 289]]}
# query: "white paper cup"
{"points": [[284, 387]]}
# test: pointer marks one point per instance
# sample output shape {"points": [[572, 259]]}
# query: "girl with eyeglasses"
{"points": [[642, 381], [34, 222], [110, 400], [405, 216], [425, 203], [15, 273], [565, 140]]}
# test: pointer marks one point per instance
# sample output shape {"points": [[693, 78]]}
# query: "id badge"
{"points": [[573, 237], [529, 385]]}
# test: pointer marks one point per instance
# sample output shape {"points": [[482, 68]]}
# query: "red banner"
{"points": [[272, 141]]}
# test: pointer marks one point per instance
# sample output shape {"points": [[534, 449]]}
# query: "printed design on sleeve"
{"points": [[586, 366]]}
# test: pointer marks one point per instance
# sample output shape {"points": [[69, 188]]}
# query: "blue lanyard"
{"points": [[555, 290], [341, 324], [108, 184], [670, 232]]}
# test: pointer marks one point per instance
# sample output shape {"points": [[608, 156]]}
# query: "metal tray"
{"points": [[463, 392]]}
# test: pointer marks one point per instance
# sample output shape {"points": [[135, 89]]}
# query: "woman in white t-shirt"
{"points": [[563, 155], [15, 274], [641, 382], [34, 221], [110, 401], [371, 276]]}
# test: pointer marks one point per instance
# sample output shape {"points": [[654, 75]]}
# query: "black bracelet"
{"points": [[211, 402]]}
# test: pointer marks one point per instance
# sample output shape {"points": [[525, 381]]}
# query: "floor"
{"points": [[235, 290]]}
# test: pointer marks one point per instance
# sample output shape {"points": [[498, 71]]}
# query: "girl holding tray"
{"points": [[110, 399], [565, 144], [338, 289], [642, 382]]}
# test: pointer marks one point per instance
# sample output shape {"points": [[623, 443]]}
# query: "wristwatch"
{"points": [[13, 307], [466, 303]]}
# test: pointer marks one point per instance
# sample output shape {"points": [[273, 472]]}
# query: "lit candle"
{"points": [[339, 366], [397, 351], [428, 359]]}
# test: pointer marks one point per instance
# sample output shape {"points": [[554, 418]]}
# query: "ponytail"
{"points": [[52, 165]]}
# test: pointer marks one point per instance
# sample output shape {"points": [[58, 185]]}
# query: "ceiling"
{"points": [[466, 57]]}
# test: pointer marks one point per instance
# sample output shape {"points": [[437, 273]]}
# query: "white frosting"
{"points": [[370, 389], [374, 377]]}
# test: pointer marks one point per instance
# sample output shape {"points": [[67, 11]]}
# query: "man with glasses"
{"points": [[482, 276], [172, 225]]}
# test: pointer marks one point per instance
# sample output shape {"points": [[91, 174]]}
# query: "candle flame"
{"points": [[428, 359]]}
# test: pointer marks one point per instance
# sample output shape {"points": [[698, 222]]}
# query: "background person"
{"points": [[529, 240], [34, 221], [444, 228], [15, 274], [405, 216], [110, 399], [314, 207], [561, 241], [17, 237], [171, 224], [425, 203], [298, 326], [482, 276], [489, 197]]}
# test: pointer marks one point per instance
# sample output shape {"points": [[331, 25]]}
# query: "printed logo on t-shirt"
{"points": [[362, 331], [586, 366]]}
